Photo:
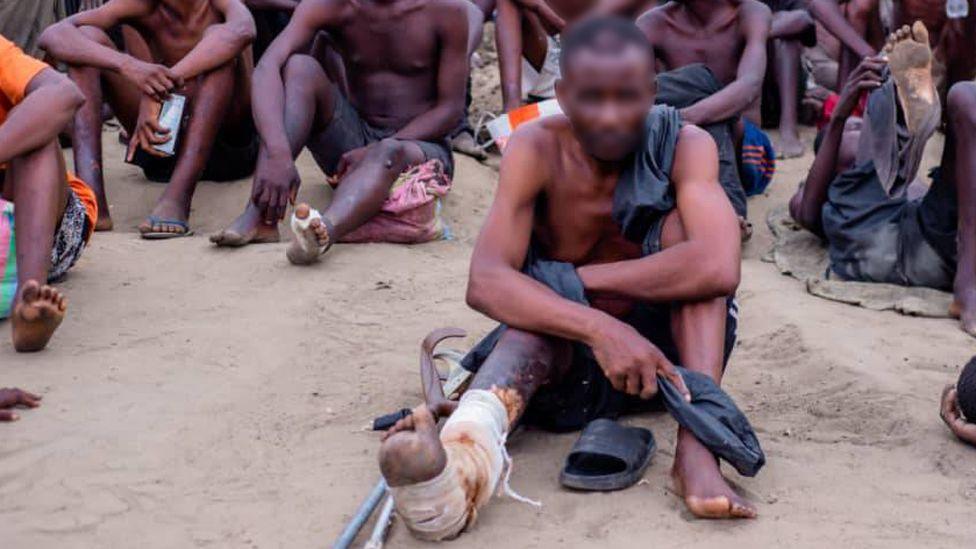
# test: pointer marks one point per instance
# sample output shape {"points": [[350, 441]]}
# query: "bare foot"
{"points": [[790, 146], [248, 228], [104, 222], [910, 59], [964, 308], [37, 314], [412, 451], [464, 143], [745, 229], [16, 398], [311, 242], [698, 479]]}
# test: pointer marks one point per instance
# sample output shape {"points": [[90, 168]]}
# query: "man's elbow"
{"points": [[722, 278]]}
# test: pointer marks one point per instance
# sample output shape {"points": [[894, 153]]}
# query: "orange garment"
{"points": [[17, 69]]}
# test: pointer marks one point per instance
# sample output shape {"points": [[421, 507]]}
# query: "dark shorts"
{"points": [[349, 131], [233, 157], [876, 238], [584, 393]]}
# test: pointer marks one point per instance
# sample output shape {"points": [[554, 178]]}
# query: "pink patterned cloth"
{"points": [[411, 213]]}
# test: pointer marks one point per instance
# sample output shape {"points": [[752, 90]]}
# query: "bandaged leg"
{"points": [[477, 467]]}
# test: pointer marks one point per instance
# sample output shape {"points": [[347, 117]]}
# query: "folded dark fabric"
{"points": [[682, 88], [642, 199]]}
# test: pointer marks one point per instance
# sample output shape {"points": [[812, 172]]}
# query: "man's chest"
{"points": [[719, 49], [405, 47]]}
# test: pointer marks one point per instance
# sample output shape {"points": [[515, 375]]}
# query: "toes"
{"points": [[741, 509], [920, 33], [30, 292]]}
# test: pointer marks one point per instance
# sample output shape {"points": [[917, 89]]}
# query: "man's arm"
{"points": [[807, 204], [508, 42], [220, 43], [498, 288], [66, 42], [268, 89], [496, 285], [706, 264], [452, 75], [828, 13], [735, 98], [50, 103]]}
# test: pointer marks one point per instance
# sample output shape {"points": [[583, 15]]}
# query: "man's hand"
{"points": [[350, 160], [865, 78], [950, 414], [11, 397], [148, 131], [153, 80], [632, 363], [276, 183]]}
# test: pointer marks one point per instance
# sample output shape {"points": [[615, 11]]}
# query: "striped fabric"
{"points": [[8, 258], [758, 164]]}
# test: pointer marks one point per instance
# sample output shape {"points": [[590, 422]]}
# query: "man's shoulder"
{"points": [[755, 10], [449, 8], [655, 17], [693, 139]]}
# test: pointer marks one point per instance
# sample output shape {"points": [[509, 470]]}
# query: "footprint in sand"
{"points": [[910, 59]]}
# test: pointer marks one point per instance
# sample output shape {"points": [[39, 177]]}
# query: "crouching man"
{"points": [[626, 206]]}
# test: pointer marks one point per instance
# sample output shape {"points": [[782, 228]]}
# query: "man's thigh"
{"points": [[346, 131]]}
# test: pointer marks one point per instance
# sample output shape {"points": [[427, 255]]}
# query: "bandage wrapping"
{"points": [[474, 440], [300, 225]]}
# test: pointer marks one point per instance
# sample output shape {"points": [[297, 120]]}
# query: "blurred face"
{"points": [[606, 97]]}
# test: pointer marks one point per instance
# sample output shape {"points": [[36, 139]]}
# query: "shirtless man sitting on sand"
{"points": [[406, 65], [46, 214], [198, 48], [556, 192], [879, 236]]}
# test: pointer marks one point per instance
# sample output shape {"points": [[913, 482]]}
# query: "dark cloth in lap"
{"points": [[874, 232], [642, 200], [233, 157], [683, 88], [348, 130]]}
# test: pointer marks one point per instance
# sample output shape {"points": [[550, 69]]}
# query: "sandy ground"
{"points": [[204, 397]]}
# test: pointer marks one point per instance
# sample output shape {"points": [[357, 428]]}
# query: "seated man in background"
{"points": [[46, 214], [791, 29], [527, 40], [657, 287], [958, 408], [406, 63], [714, 52], [862, 206], [198, 48]]}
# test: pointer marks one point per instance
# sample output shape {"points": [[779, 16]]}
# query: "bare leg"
{"points": [[39, 191], [86, 131], [359, 196], [309, 106], [699, 332], [519, 365], [209, 99], [961, 109], [787, 73], [862, 15]]}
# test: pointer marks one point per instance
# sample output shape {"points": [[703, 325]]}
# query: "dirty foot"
{"points": [[698, 479], [248, 228], [104, 222], [37, 314], [412, 451], [964, 308], [910, 60], [312, 237], [464, 143], [789, 146]]}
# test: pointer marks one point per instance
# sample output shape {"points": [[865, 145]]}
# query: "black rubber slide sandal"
{"points": [[608, 456]]}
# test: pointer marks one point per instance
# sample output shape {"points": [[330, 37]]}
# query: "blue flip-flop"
{"points": [[163, 235]]}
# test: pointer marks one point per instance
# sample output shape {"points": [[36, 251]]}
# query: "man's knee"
{"points": [[98, 35], [961, 103], [391, 152], [301, 68]]}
